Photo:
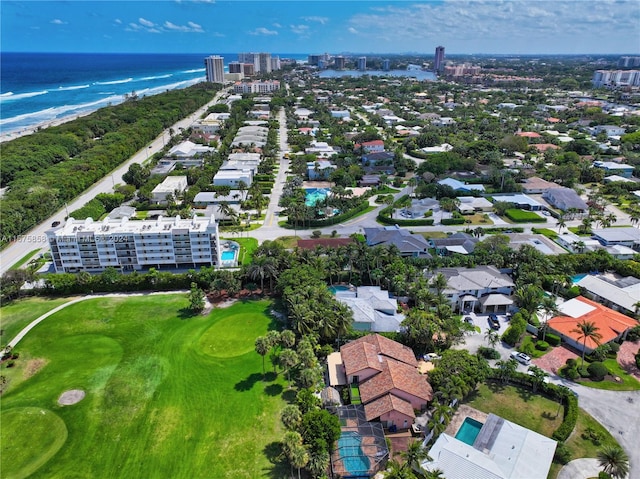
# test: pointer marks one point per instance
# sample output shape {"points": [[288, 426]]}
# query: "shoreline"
{"points": [[12, 135]]}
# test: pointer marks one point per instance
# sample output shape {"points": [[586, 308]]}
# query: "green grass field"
{"points": [[167, 394], [522, 216], [17, 314]]}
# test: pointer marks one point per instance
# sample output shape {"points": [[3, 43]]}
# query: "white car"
{"points": [[521, 358], [544, 380]]}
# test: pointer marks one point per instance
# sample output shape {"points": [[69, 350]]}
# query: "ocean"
{"points": [[37, 88]]}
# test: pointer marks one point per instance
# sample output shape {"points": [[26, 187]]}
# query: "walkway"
{"points": [[38, 320], [580, 469]]}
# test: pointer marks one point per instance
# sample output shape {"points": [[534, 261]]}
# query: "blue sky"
{"points": [[218, 26]]}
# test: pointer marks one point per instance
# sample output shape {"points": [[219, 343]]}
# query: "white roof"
{"points": [[618, 234], [513, 452], [574, 308], [625, 297]]}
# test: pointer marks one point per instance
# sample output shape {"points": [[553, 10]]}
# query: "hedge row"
{"points": [[385, 220], [347, 215], [452, 221], [520, 216]]}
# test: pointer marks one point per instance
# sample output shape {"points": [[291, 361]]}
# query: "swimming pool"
{"points": [[352, 458], [469, 430], [577, 277], [228, 256], [315, 195], [335, 289]]}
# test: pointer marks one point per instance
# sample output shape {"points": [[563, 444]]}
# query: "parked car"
{"points": [[494, 323], [521, 358], [431, 357], [55, 223], [468, 319]]}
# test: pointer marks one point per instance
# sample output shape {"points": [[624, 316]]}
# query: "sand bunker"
{"points": [[72, 396]]}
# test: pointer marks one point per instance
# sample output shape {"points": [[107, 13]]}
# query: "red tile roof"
{"points": [[610, 323], [546, 146], [358, 356], [388, 403], [396, 375], [390, 348], [529, 134]]}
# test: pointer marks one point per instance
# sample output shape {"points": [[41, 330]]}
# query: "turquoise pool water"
{"points": [[315, 195], [228, 256], [335, 289], [468, 431], [577, 277], [354, 461]]}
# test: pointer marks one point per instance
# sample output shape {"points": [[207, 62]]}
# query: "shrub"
{"points": [[516, 329], [10, 363], [488, 353], [614, 348], [597, 371], [634, 334], [571, 362], [604, 475], [637, 356], [584, 372], [452, 221], [562, 454], [570, 373], [552, 339], [590, 434], [528, 348], [542, 345], [570, 418], [316, 233], [600, 353]]}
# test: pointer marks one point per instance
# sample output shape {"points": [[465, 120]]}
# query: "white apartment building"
{"points": [[86, 245], [256, 87], [170, 186], [214, 66], [610, 78]]}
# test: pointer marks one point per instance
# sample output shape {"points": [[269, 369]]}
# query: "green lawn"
{"points": [[522, 216], [247, 247], [25, 259], [17, 314], [627, 383], [539, 414], [168, 395]]}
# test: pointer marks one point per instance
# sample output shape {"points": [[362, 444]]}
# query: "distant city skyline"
{"points": [[532, 27]]}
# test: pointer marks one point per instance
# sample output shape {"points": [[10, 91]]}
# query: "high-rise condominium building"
{"points": [[87, 245], [235, 67], [438, 61], [362, 63], [386, 64], [215, 68], [340, 62], [262, 62]]}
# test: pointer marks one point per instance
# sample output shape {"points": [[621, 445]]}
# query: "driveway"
{"points": [[626, 358], [554, 359], [580, 469]]}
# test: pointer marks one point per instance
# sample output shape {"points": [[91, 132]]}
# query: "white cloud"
{"points": [[299, 29], [277, 25], [506, 25], [190, 27], [263, 31], [321, 20], [57, 21], [146, 23], [118, 21], [352, 30]]}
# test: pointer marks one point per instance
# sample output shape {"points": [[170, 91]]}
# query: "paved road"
{"points": [[36, 238]]}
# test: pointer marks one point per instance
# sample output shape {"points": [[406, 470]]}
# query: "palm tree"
{"points": [[318, 462], [288, 358], [397, 471], [537, 376], [587, 330], [291, 417], [299, 457], [506, 369], [414, 455], [561, 223], [550, 309], [492, 337], [614, 461], [435, 474], [262, 346]]}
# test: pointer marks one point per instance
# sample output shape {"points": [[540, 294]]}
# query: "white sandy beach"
{"points": [[12, 135]]}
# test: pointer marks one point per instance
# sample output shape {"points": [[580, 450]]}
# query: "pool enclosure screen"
{"points": [[361, 450]]}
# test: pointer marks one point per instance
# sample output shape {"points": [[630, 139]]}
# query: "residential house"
{"points": [[407, 243], [233, 177], [386, 374], [520, 201], [320, 170], [342, 114], [473, 204], [369, 180], [460, 186], [610, 130], [378, 158], [321, 149], [374, 146], [610, 324], [501, 450], [621, 295], [565, 199], [577, 244], [122, 212], [613, 168], [373, 309], [208, 198], [484, 288], [443, 148], [443, 121], [626, 236], [172, 185], [461, 243], [189, 149], [536, 185], [420, 208]]}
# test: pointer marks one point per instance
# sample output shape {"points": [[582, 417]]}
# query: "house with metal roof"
{"points": [[373, 309], [521, 201], [565, 199], [458, 185], [407, 243], [627, 236], [501, 450], [621, 295], [461, 243]]}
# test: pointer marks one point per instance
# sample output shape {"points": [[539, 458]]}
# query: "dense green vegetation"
{"points": [[52, 166], [184, 393]]}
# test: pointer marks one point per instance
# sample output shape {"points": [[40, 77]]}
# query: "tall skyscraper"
{"points": [[362, 63], [215, 68], [438, 61], [262, 62], [340, 62], [386, 64], [235, 67]]}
